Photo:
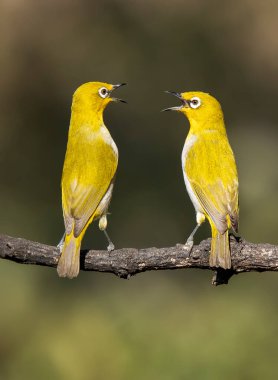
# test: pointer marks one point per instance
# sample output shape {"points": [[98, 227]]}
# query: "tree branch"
{"points": [[127, 262]]}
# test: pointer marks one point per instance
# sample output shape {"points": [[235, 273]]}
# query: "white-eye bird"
{"points": [[210, 172], [89, 171]]}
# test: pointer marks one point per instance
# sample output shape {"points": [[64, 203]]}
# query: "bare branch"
{"points": [[127, 262]]}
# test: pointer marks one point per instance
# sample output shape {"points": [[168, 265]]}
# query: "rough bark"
{"points": [[127, 262]]}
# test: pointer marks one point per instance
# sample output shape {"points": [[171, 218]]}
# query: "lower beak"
{"points": [[115, 86], [172, 109], [177, 108]]}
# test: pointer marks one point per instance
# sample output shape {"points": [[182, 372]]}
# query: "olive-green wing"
{"points": [[86, 179], [211, 170]]}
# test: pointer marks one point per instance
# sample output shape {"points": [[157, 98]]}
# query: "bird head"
{"points": [[200, 108], [95, 96]]}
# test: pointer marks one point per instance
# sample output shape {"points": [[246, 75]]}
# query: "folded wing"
{"points": [[85, 183], [211, 171]]}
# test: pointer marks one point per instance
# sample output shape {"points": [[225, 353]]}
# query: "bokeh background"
{"points": [[170, 325]]}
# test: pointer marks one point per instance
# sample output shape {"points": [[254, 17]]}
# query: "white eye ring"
{"points": [[103, 92], [195, 102]]}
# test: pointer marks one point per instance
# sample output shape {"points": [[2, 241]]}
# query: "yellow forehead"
{"points": [[92, 87], [206, 99]]}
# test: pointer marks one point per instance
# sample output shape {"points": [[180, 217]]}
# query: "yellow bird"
{"points": [[210, 172], [89, 171]]}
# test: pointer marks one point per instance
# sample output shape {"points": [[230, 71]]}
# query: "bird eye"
{"points": [[195, 102], [103, 92]]}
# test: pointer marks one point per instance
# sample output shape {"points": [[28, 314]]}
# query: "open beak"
{"points": [[115, 86], [178, 108]]}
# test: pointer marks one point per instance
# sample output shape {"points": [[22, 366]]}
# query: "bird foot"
{"points": [[110, 247], [60, 246], [61, 243], [189, 244]]}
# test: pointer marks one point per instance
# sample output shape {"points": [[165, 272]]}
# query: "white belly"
{"points": [[108, 139], [187, 146]]}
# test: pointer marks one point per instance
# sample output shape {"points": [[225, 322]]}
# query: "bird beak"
{"points": [[178, 108], [115, 86]]}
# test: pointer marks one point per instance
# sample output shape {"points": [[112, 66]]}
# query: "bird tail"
{"points": [[220, 255], [68, 265]]}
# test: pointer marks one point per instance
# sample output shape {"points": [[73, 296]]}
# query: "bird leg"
{"points": [[102, 226], [61, 243], [200, 217], [190, 239]]}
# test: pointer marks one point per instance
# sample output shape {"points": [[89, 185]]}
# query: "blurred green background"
{"points": [[170, 325]]}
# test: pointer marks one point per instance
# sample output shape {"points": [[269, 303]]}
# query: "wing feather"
{"points": [[211, 170], [85, 181]]}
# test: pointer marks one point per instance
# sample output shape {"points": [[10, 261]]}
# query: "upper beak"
{"points": [[115, 86], [177, 108]]}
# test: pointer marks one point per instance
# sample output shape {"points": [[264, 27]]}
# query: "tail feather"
{"points": [[220, 255], [69, 262]]}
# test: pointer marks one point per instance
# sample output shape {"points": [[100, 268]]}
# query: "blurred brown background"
{"points": [[171, 325]]}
